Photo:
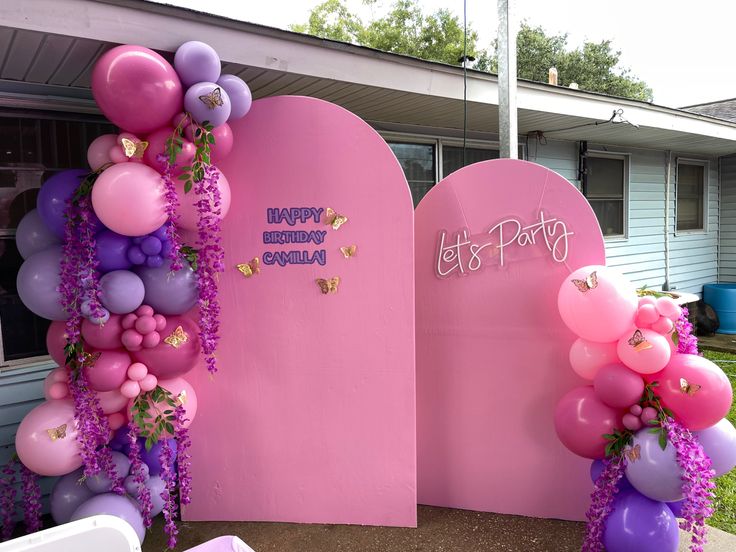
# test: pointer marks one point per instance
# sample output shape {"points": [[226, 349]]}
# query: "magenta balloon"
{"points": [[98, 152], [581, 419], [223, 145], [719, 444], [617, 386], [109, 370], [196, 61], [56, 341], [114, 505], [239, 94], [157, 146], [166, 361], [67, 495], [38, 451], [106, 336], [136, 88], [656, 474], [129, 198], [38, 284], [187, 209], [204, 110], [33, 235]]}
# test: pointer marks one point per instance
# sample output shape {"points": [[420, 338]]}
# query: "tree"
{"points": [[405, 29]]}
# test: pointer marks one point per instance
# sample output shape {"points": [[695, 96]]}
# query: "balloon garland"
{"points": [[653, 419], [105, 261]]}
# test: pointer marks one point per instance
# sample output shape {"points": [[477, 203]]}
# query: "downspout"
{"points": [[668, 176]]}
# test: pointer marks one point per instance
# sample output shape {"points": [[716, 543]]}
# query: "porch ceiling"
{"points": [[385, 89]]}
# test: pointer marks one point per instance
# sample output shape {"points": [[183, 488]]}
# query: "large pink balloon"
{"points": [[56, 341], [181, 389], [696, 390], [109, 370], [157, 146], [129, 198], [644, 351], [46, 440], [223, 135], [587, 357], [597, 303], [177, 357], [187, 210], [106, 336], [136, 88], [98, 152], [617, 386], [581, 419]]}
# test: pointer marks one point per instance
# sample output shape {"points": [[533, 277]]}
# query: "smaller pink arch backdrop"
{"points": [[494, 241], [311, 417]]}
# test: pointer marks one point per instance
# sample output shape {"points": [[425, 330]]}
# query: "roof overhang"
{"points": [[51, 46]]}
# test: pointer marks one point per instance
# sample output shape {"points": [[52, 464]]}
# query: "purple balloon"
{"points": [[38, 284], [656, 474], [156, 485], [52, 197], [154, 261], [196, 61], [119, 441], [112, 251], [151, 457], [169, 292], [596, 468], [638, 523], [676, 508], [102, 319], [113, 505], [121, 291], [68, 494], [161, 233], [719, 443], [136, 255], [151, 245], [207, 110], [101, 483], [239, 94], [33, 235]]}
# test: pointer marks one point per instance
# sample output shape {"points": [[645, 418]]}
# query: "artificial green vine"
{"points": [[203, 141], [147, 415]]}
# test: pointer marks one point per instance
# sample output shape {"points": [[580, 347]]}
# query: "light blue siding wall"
{"points": [[727, 258], [641, 255]]}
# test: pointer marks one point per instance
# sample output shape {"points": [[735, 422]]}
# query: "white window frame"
{"points": [[626, 158], [705, 163]]}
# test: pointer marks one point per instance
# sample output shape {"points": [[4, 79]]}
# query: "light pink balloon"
{"points": [[581, 419], [144, 310], [181, 389], [130, 389], [598, 309], [647, 300], [38, 450], [116, 420], [666, 306], [223, 145], [137, 371], [129, 199], [187, 209], [58, 390], [157, 146], [54, 379], [148, 383], [663, 326], [109, 370], [646, 316], [587, 357], [56, 341], [106, 336], [111, 401], [98, 152], [136, 88], [617, 386], [117, 155], [696, 390], [644, 351]]}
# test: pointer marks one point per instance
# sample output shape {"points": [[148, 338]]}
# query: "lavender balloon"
{"points": [[68, 494], [719, 444], [33, 235], [156, 485], [38, 284], [101, 483], [638, 523], [206, 101], [111, 251], [239, 94], [52, 198], [656, 474], [121, 291], [113, 505], [169, 292], [196, 61], [596, 468], [151, 457]]}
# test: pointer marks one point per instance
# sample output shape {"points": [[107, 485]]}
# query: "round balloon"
{"points": [[136, 88], [152, 458], [112, 249], [121, 291], [223, 135], [177, 352], [617, 386], [719, 444], [196, 61], [207, 102], [157, 146], [169, 292], [109, 371], [581, 419], [638, 523], [105, 336], [587, 357], [187, 209], [33, 235], [183, 392], [239, 94], [656, 473], [156, 486], [98, 152], [46, 440], [111, 401], [129, 198], [101, 483], [596, 469], [52, 198], [68, 494], [644, 351], [114, 505], [597, 303], [38, 283], [56, 342]]}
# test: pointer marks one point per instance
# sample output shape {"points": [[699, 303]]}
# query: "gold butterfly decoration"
{"points": [[633, 453], [213, 99], [639, 342], [584, 286], [89, 359], [348, 251], [251, 268], [177, 338], [688, 388], [134, 149], [57, 432], [329, 285], [181, 398], [333, 219]]}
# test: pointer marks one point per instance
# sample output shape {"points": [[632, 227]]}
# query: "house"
{"points": [[662, 181]]}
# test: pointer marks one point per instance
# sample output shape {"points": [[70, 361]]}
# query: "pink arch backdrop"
{"points": [[494, 241]]}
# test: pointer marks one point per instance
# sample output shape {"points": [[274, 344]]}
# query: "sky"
{"points": [[686, 57]]}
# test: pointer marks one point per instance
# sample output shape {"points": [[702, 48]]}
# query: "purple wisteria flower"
{"points": [[172, 203], [7, 498], [183, 457], [687, 342], [606, 487], [168, 474], [31, 500], [139, 474]]}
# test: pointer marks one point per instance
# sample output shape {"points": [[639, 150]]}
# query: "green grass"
{"points": [[725, 502]]}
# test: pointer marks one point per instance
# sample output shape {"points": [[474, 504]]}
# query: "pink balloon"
{"points": [[597, 303], [587, 357], [182, 390], [181, 120], [106, 336], [116, 420], [617, 386], [38, 450], [136, 88], [144, 310], [137, 371], [644, 351], [56, 341], [58, 374], [56, 377], [117, 155], [128, 321], [632, 422], [98, 151], [157, 146], [663, 326], [648, 414], [58, 390], [151, 340], [187, 209], [581, 419], [129, 199], [131, 340], [168, 360], [160, 321], [109, 370], [646, 316], [148, 383], [647, 300], [130, 389], [145, 324], [111, 401], [666, 306], [695, 389], [223, 145]]}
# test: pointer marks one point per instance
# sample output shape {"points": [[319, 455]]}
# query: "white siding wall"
{"points": [[727, 260]]}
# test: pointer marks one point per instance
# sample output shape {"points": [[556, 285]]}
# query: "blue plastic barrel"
{"points": [[722, 297]]}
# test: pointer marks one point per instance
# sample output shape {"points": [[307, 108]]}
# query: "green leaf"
{"points": [[187, 186], [675, 338], [654, 422], [183, 176], [663, 439], [654, 430]]}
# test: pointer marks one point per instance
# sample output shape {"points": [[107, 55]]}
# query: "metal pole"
{"points": [[507, 123]]}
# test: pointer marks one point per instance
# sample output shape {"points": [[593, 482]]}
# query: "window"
{"points": [[605, 189], [690, 195], [452, 157], [419, 164], [31, 149]]}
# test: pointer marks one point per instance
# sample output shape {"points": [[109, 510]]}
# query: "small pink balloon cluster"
{"points": [[638, 417], [141, 329], [657, 314]]}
